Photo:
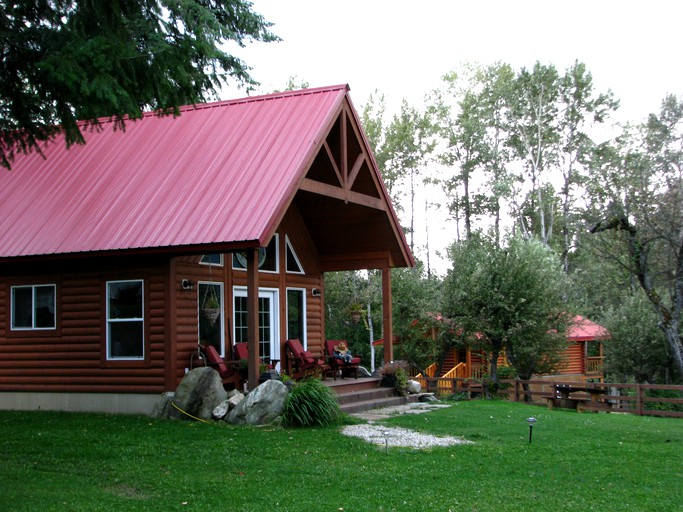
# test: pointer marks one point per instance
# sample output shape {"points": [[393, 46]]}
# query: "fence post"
{"points": [[639, 400]]}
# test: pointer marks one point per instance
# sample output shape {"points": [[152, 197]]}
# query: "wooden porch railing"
{"points": [[594, 364]]}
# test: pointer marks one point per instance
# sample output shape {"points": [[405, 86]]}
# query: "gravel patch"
{"points": [[399, 437]]}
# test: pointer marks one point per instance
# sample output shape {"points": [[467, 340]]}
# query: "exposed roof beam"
{"points": [[356, 169], [324, 189], [355, 261], [333, 162]]}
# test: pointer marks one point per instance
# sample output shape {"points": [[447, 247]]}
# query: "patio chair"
{"points": [[226, 369], [302, 363], [242, 354], [340, 366]]}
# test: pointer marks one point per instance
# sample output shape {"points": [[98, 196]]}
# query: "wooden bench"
{"points": [[565, 403], [601, 406]]}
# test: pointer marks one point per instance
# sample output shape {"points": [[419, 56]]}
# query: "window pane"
{"points": [[292, 261], [212, 259], [267, 260], [45, 306], [22, 307], [125, 321], [210, 315], [126, 339], [125, 299], [240, 319], [295, 314], [264, 327], [270, 262]]}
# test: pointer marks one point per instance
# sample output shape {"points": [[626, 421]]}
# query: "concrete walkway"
{"points": [[387, 412]]}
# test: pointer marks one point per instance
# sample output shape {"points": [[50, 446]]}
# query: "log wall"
{"points": [[72, 358]]}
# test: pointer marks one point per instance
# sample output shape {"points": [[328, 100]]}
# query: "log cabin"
{"points": [[120, 256], [582, 359]]}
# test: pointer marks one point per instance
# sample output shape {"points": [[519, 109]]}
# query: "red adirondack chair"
{"points": [[339, 365], [242, 353], [226, 370], [302, 363]]}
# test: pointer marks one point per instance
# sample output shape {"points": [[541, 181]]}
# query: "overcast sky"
{"points": [[403, 48]]}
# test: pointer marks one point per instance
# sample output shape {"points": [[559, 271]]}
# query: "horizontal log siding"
{"points": [[187, 327], [314, 332], [572, 360], [72, 358], [293, 227], [4, 310]]}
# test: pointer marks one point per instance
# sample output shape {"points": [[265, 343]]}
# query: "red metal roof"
{"points": [[220, 173], [582, 329]]}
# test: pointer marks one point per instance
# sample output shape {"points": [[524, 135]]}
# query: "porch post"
{"points": [[387, 317], [253, 317]]}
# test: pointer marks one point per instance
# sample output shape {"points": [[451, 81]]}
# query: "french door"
{"points": [[269, 326]]}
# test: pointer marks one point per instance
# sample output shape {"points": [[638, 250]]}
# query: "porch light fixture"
{"points": [[187, 284], [316, 292], [531, 422]]}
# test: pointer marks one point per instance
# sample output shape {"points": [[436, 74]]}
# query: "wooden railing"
{"points": [[459, 371], [476, 371], [594, 364], [641, 399], [448, 382]]}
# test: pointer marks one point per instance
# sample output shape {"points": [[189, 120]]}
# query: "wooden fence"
{"points": [[641, 399]]}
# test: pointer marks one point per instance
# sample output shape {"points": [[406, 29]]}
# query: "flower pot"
{"points": [[388, 381], [211, 314]]}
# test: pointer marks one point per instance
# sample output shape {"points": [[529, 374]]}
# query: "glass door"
{"points": [[269, 339]]}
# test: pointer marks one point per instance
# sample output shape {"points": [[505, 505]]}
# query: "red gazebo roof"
{"points": [[582, 329]]}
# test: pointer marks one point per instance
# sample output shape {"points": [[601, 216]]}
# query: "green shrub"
{"points": [[401, 377], [311, 403], [663, 406]]}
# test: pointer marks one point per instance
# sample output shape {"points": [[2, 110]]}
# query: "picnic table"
{"points": [[564, 398]]}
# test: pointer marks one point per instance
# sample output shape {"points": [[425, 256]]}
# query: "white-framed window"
{"points": [[268, 260], [125, 320], [211, 320], [292, 260], [212, 259], [296, 315], [34, 307]]}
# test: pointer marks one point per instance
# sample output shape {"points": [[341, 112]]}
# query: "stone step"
{"points": [[346, 386], [366, 405], [357, 395], [377, 393]]}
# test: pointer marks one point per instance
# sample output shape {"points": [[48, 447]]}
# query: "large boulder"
{"points": [[198, 394], [234, 398], [261, 406], [162, 409], [413, 387]]}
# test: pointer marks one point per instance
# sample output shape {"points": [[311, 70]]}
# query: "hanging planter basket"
{"points": [[211, 305], [356, 312], [211, 314]]}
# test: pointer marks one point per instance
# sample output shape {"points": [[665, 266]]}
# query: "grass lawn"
{"points": [[581, 462]]}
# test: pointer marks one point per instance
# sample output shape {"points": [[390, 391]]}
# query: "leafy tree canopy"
{"points": [[635, 214], [68, 60], [637, 348], [509, 300]]}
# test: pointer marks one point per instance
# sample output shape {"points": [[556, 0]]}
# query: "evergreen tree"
{"points": [[64, 61]]}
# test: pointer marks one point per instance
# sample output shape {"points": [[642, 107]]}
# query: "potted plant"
{"points": [[211, 307], [395, 375], [356, 312]]}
